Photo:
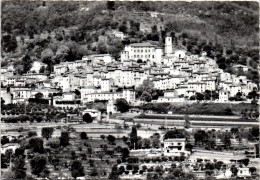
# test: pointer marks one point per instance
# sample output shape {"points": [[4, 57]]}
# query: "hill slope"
{"points": [[65, 31]]}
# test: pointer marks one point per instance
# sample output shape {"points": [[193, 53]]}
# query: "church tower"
{"points": [[168, 45]]}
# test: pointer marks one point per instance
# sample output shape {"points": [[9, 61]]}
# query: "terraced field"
{"points": [[179, 120]]}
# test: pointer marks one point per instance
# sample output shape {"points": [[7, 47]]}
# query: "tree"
{"points": [[38, 95], [147, 92], [111, 138], [47, 132], [38, 164], [18, 167], [188, 146], [26, 64], [245, 161], [36, 144], [63, 53], [83, 135], [238, 96], [77, 170], [4, 140], [64, 138], [234, 170], [199, 96], [32, 133], [187, 121], [155, 142], [123, 28], [46, 56], [226, 139], [176, 133], [139, 61], [93, 172], [9, 43], [122, 105], [111, 5], [133, 137], [121, 169], [102, 136], [124, 152], [201, 137], [177, 172], [87, 118], [146, 143]]}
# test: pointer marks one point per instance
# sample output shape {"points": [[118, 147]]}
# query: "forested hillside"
{"points": [[65, 31]]}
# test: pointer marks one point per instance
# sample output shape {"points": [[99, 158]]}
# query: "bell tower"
{"points": [[168, 45]]}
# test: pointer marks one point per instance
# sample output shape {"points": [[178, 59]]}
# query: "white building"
{"points": [[144, 51], [37, 66], [118, 34], [129, 95], [99, 58], [175, 147], [223, 96], [243, 172], [111, 107], [6, 96]]}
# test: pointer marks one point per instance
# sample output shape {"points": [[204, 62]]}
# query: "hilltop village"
{"points": [[99, 118], [181, 76]]}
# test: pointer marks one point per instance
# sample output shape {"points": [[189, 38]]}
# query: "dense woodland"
{"points": [[53, 32]]}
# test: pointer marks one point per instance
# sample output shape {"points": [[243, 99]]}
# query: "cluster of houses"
{"points": [[100, 77]]}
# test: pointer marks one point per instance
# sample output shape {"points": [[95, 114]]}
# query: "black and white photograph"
{"points": [[129, 90]]}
